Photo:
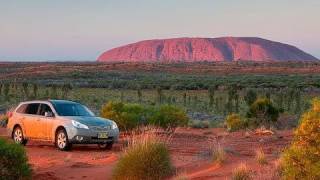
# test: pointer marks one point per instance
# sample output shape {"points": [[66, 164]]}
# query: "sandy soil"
{"points": [[190, 151]]}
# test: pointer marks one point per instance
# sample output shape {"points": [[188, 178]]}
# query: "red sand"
{"points": [[189, 150]]}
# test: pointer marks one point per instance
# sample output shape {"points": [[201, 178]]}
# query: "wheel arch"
{"points": [[58, 129]]}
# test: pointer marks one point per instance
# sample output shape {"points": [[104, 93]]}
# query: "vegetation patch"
{"points": [[302, 159], [13, 161], [242, 172], [218, 155], [261, 157], [147, 157], [235, 122], [262, 112], [129, 116]]}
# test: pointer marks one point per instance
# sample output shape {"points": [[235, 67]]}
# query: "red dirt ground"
{"points": [[189, 149]]}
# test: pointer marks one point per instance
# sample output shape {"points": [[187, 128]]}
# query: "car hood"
{"points": [[91, 121]]}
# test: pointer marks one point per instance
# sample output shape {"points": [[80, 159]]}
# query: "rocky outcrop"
{"points": [[205, 49]]}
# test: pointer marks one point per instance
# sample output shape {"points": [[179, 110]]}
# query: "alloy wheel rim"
{"points": [[18, 136], [62, 140]]}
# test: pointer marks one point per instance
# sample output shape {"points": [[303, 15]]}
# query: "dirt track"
{"points": [[189, 148]]}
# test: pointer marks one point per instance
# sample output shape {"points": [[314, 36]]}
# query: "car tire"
{"points": [[18, 137], [107, 146], [61, 140]]}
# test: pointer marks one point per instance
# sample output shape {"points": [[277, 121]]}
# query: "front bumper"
{"points": [[89, 136]]}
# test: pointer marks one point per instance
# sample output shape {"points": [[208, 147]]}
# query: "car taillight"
{"points": [[9, 114]]}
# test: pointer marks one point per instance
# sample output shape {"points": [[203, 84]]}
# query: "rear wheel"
{"points": [[107, 145], [18, 137], [61, 141]]}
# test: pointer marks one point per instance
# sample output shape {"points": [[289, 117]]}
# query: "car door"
{"points": [[46, 122], [30, 120]]}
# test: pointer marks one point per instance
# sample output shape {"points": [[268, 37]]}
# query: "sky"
{"points": [[80, 30]]}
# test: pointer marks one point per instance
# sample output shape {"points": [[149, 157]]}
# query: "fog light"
{"points": [[79, 138]]}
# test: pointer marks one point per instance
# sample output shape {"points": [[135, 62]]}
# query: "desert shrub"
{"points": [[262, 112], [261, 157], [242, 172], [13, 161], [168, 116], [235, 122], [3, 120], [302, 159], [146, 158], [218, 154], [199, 124], [127, 116]]}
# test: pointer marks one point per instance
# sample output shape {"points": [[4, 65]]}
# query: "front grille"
{"points": [[99, 128]]}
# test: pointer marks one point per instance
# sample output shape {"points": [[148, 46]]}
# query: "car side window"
{"points": [[44, 108], [22, 108], [32, 108]]}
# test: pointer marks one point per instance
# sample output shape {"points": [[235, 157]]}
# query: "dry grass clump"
{"points": [[181, 177], [146, 157], [218, 154], [242, 172], [261, 157]]}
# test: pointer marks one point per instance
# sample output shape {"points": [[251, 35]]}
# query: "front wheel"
{"points": [[62, 142], [107, 146], [18, 137]]}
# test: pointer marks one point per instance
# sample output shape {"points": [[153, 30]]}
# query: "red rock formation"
{"points": [[209, 49]]}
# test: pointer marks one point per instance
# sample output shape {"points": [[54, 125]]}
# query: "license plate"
{"points": [[103, 135]]}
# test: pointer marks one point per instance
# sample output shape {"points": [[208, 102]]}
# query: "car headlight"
{"points": [[114, 125], [79, 125]]}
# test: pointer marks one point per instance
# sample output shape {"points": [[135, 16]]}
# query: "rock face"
{"points": [[205, 49]]}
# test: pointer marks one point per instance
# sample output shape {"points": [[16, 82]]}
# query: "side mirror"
{"points": [[48, 114]]}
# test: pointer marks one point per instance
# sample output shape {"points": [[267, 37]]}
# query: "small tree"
{"points": [[35, 90], [139, 93], [54, 93], [185, 99], [66, 89], [1, 89], [250, 97], [263, 112], [302, 159], [25, 87], [159, 95], [211, 91], [6, 90]]}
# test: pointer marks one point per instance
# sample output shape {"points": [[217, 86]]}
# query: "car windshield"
{"points": [[72, 109]]}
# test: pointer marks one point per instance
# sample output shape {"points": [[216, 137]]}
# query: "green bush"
{"points": [[168, 116], [129, 116], [262, 112], [146, 158], [13, 161], [302, 159], [234, 122]]}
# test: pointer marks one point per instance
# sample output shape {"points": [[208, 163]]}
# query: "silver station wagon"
{"points": [[61, 122]]}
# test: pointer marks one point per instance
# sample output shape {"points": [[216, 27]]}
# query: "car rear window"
{"points": [[22, 108], [32, 108]]}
